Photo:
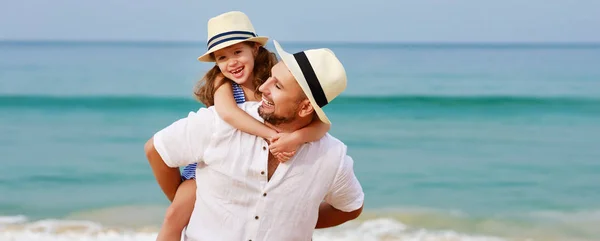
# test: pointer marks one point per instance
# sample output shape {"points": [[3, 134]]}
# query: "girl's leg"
{"points": [[179, 212]]}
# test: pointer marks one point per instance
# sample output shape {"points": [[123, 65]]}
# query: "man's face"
{"points": [[281, 96]]}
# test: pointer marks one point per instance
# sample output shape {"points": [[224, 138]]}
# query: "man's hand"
{"points": [[168, 178], [329, 216]]}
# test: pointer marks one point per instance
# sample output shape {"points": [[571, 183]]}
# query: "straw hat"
{"points": [[319, 73], [228, 29]]}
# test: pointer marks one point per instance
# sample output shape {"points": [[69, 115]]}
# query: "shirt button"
{"points": [[264, 194], [264, 148], [262, 173], [256, 217]]}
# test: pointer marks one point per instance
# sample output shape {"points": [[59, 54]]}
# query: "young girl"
{"points": [[241, 66]]}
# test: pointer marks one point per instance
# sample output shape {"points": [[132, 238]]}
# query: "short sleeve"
{"points": [[184, 141], [346, 193]]}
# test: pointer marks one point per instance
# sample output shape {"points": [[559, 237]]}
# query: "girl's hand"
{"points": [[284, 156], [284, 142], [283, 146]]}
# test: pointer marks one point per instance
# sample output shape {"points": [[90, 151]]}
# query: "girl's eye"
{"points": [[221, 58], [277, 86], [238, 52]]}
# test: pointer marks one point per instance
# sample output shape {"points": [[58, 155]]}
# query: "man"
{"points": [[243, 193]]}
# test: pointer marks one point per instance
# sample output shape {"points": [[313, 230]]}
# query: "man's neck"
{"points": [[297, 124]]}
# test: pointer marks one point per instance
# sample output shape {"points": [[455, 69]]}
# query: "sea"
{"points": [[452, 142]]}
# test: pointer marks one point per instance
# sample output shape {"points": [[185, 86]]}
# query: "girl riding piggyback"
{"points": [[242, 65]]}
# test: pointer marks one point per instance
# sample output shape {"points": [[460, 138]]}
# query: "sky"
{"points": [[307, 20]]}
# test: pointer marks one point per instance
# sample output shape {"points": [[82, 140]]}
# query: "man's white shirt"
{"points": [[234, 199]]}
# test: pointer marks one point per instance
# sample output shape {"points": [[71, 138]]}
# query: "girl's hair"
{"points": [[263, 62]]}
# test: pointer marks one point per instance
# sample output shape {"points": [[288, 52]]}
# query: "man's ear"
{"points": [[305, 108]]}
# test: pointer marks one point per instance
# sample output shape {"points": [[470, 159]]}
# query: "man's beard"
{"points": [[274, 119]]}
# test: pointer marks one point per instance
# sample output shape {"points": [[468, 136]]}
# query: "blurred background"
{"points": [[467, 120]]}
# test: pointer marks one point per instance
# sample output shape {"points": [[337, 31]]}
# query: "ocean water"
{"points": [[450, 142]]}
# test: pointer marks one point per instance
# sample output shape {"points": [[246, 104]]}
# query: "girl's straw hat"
{"points": [[228, 29]]}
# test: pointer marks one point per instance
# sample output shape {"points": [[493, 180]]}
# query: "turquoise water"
{"points": [[490, 140]]}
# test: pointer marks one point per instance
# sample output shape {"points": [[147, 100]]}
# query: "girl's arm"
{"points": [[289, 142], [313, 132], [228, 110]]}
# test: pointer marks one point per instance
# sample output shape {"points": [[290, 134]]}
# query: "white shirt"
{"points": [[234, 200]]}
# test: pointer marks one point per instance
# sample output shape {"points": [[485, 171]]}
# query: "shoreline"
{"points": [[142, 223]]}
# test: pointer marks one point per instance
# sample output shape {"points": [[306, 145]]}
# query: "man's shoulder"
{"points": [[250, 107], [328, 153], [332, 141], [221, 126], [328, 145]]}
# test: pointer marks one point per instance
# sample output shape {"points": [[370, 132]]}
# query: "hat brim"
{"points": [[294, 68], [206, 57]]}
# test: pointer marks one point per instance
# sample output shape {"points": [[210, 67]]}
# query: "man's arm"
{"points": [[181, 143], [344, 202], [168, 178], [330, 217]]}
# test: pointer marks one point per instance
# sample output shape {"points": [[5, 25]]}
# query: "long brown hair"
{"points": [[263, 62]]}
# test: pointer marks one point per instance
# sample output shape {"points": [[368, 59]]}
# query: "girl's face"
{"points": [[237, 61]]}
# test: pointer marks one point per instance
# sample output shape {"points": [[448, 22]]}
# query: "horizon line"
{"points": [[306, 44], [303, 42]]}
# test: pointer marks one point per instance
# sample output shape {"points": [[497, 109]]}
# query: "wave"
{"points": [[370, 230], [142, 223], [158, 102]]}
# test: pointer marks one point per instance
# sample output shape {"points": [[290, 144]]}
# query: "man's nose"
{"points": [[263, 88]]}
